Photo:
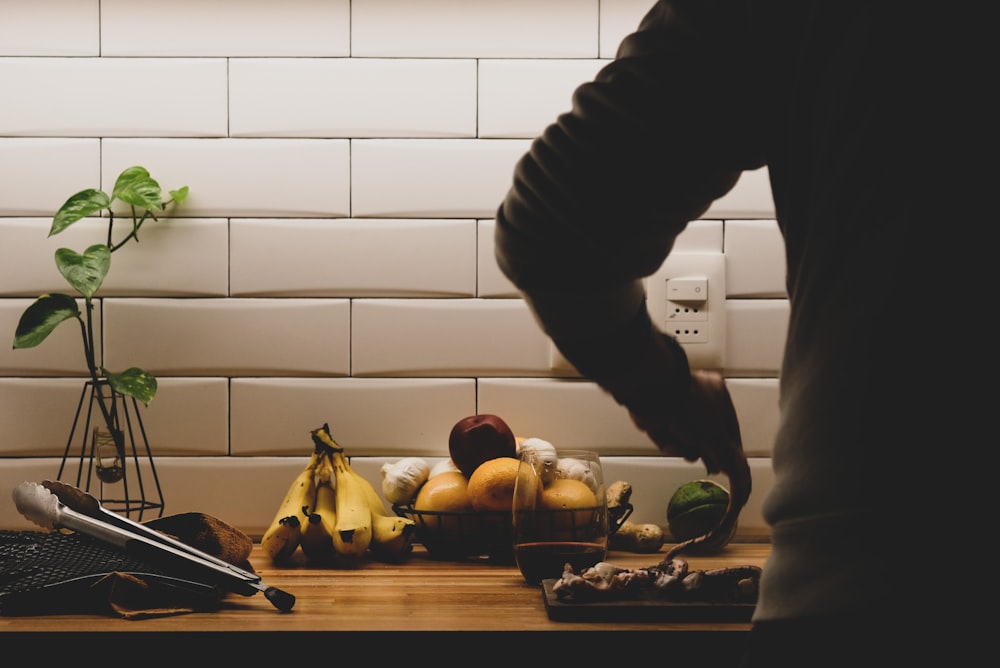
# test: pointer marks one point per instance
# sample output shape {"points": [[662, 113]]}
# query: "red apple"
{"points": [[478, 438]]}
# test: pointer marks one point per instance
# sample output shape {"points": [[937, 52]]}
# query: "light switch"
{"points": [[687, 289], [681, 305]]}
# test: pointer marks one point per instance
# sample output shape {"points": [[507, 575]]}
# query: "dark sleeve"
{"points": [[595, 205]]}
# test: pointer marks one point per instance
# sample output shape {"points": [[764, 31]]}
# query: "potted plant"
{"points": [[85, 272]]}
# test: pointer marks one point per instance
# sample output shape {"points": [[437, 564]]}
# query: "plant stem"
{"points": [[134, 234], [87, 329]]}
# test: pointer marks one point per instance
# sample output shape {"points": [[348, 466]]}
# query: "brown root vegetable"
{"points": [[619, 508], [619, 492], [632, 537]]}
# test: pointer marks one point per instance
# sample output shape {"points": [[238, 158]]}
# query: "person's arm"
{"points": [[598, 200]]}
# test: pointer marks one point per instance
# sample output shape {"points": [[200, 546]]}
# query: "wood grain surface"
{"points": [[419, 595]]}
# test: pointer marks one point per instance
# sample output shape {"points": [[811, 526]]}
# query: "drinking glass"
{"points": [[560, 512]]}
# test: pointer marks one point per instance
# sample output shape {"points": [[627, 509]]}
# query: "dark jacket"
{"points": [[874, 122]]}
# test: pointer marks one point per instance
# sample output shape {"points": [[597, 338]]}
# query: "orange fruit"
{"points": [[491, 485], [446, 492], [567, 494]]}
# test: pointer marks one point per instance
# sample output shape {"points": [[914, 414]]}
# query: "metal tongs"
{"points": [[58, 505]]}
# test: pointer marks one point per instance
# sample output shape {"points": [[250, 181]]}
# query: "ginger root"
{"points": [[632, 537]]}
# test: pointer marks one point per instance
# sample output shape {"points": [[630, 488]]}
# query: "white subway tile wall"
{"points": [[334, 260]]}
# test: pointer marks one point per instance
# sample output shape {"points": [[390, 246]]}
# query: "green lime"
{"points": [[696, 508]]}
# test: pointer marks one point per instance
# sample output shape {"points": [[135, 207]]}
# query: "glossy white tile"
{"points": [[367, 416], [750, 198], [521, 97], [755, 336], [482, 29], [618, 19], [243, 177], [352, 97], [449, 337], [38, 174], [36, 91], [431, 177], [353, 258], [228, 337], [755, 259], [491, 281], [569, 413], [71, 28], [37, 414], [291, 28]]}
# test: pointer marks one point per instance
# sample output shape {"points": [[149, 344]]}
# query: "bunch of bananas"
{"points": [[334, 514]]}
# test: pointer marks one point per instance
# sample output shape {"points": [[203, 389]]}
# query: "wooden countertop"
{"points": [[419, 595]]}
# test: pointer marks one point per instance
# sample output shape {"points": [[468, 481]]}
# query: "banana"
{"points": [[317, 534], [284, 535], [352, 533], [362, 521], [282, 539], [392, 535]]}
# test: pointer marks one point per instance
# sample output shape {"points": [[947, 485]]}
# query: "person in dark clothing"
{"points": [[875, 123]]}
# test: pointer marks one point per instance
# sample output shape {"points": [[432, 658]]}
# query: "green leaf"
{"points": [[135, 186], [80, 205], [179, 195], [39, 319], [84, 272], [134, 383]]}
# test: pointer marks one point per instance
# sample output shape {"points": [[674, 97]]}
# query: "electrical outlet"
{"points": [[689, 332], [686, 298]]}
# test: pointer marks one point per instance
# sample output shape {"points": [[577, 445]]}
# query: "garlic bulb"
{"points": [[576, 469], [402, 479], [536, 445], [443, 466], [546, 467]]}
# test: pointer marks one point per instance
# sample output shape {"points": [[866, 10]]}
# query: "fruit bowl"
{"points": [[465, 535], [462, 535]]}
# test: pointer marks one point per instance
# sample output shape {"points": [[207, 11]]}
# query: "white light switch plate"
{"points": [[698, 323]]}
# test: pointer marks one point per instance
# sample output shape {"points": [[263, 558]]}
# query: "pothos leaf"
{"points": [[179, 195], [133, 382], [136, 187], [80, 205], [84, 272], [43, 316]]}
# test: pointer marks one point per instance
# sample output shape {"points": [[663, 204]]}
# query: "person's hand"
{"points": [[702, 426]]}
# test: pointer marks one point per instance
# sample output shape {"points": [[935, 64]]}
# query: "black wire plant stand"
{"points": [[119, 476]]}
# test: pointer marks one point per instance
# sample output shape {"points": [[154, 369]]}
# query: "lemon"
{"points": [[696, 508]]}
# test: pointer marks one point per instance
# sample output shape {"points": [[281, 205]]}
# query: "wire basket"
{"points": [[486, 534], [462, 535]]}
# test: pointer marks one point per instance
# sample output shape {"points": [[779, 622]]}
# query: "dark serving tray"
{"points": [[642, 610]]}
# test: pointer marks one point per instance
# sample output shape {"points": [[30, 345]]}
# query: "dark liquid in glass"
{"points": [[540, 561]]}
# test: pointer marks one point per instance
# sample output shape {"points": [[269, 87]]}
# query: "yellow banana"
{"points": [[387, 536], [282, 539], [352, 533], [284, 535], [317, 534], [392, 535]]}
